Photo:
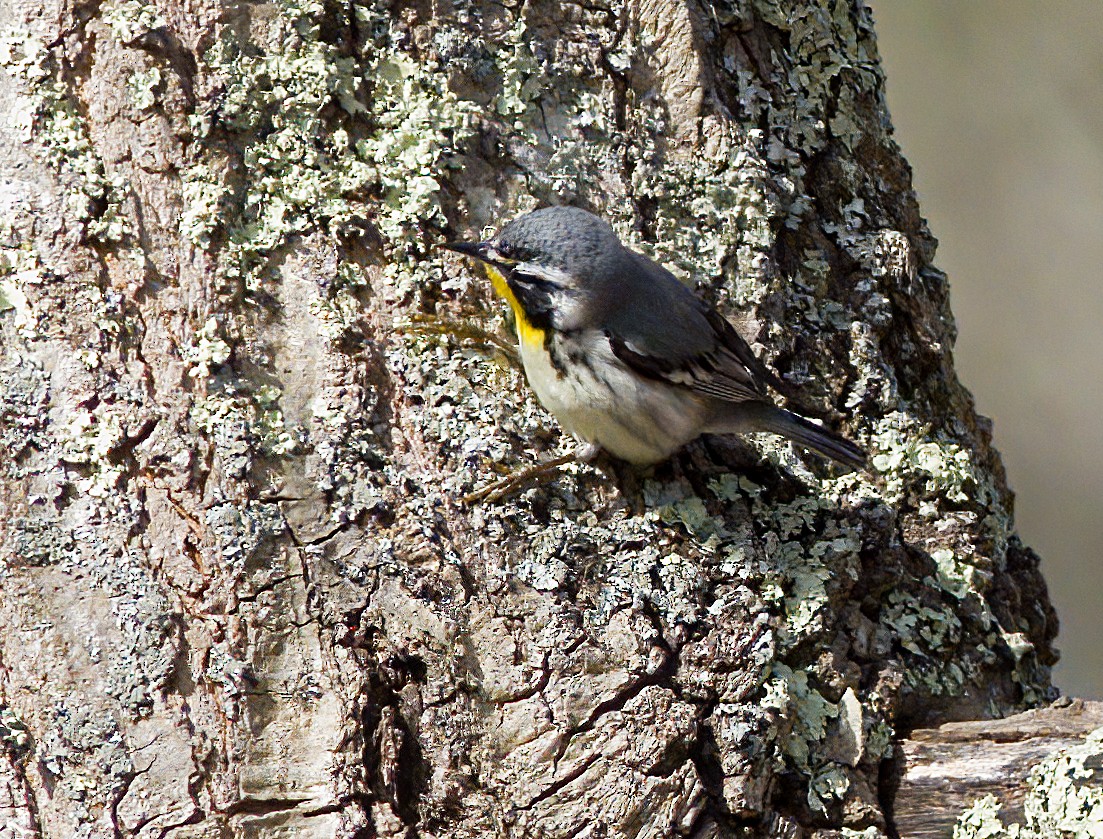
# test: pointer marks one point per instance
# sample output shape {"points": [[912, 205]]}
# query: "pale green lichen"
{"points": [[204, 195], [338, 310], [330, 142], [828, 785], [238, 414], [521, 82], [904, 450], [24, 400], [86, 438], [824, 43], [924, 472], [26, 57], [953, 574], [921, 629], [675, 503], [299, 175], [303, 174], [19, 268], [14, 733], [143, 86], [278, 437], [724, 213], [1064, 800], [981, 821], [350, 464], [803, 714], [310, 168], [207, 349], [798, 572], [418, 123], [573, 139], [245, 423], [130, 19], [879, 735], [48, 116]]}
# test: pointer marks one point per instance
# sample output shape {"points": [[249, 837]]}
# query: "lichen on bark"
{"points": [[246, 395]]}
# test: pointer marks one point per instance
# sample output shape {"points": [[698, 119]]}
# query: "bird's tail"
{"points": [[765, 417]]}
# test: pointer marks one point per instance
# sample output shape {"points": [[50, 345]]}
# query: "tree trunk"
{"points": [[243, 393]]}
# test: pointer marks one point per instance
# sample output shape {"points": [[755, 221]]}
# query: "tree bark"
{"points": [[242, 393], [1040, 771]]}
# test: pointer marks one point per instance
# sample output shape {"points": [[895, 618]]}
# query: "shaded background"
{"points": [[998, 105]]}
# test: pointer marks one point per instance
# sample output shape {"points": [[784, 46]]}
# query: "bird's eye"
{"points": [[513, 252]]}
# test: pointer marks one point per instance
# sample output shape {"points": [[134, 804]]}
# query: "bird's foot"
{"points": [[534, 474]]}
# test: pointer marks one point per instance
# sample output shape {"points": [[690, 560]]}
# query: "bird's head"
{"points": [[549, 265]]}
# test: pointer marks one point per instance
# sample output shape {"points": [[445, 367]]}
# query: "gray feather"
{"points": [[663, 330], [762, 416]]}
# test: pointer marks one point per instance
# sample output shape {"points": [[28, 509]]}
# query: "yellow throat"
{"points": [[527, 333]]}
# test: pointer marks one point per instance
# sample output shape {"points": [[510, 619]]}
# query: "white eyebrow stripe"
{"points": [[545, 272]]}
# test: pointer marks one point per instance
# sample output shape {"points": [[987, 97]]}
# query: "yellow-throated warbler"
{"points": [[626, 357]]}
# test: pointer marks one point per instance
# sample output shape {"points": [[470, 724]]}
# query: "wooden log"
{"points": [[947, 769]]}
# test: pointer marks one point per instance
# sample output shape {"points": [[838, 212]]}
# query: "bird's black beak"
{"points": [[478, 250]]}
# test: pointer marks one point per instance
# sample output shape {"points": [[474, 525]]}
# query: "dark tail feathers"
{"points": [[802, 432]]}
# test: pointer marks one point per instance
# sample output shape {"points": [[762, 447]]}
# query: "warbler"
{"points": [[625, 356]]}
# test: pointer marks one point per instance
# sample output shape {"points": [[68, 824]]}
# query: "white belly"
{"points": [[633, 418]]}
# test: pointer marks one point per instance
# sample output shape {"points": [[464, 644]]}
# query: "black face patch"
{"points": [[535, 294]]}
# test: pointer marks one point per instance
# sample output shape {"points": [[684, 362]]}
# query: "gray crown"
{"points": [[568, 238]]}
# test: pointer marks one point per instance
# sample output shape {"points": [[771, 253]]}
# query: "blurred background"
{"points": [[998, 106]]}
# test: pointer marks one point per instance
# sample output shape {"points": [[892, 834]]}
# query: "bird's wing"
{"points": [[675, 337], [717, 373]]}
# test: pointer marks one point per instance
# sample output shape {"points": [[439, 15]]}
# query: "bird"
{"points": [[627, 358]]}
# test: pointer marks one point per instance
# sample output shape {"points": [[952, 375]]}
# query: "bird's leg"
{"points": [[511, 484], [540, 472]]}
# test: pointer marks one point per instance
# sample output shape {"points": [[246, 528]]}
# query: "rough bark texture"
{"points": [[1029, 776], [241, 394]]}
